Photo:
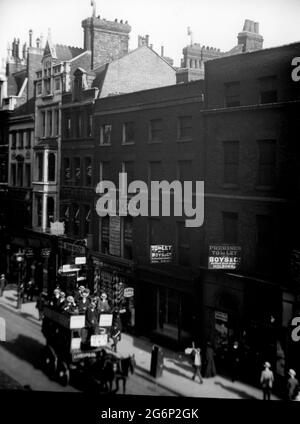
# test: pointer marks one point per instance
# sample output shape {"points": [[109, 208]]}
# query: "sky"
{"points": [[214, 23]]}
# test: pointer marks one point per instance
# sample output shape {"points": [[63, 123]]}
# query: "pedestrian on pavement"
{"points": [[116, 337], [235, 361], [196, 354], [40, 303], [210, 367], [292, 385], [267, 381], [3, 283], [30, 288]]}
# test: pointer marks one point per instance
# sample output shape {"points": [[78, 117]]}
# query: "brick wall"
{"points": [[139, 70]]}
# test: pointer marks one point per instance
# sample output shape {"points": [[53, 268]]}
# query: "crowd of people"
{"points": [[82, 302], [203, 364]]}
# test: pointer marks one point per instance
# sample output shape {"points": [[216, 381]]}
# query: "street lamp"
{"points": [[20, 260]]}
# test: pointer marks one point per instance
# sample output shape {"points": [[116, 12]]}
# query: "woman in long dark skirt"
{"points": [[210, 367]]}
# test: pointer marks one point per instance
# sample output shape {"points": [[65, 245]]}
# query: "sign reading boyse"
{"points": [[224, 256], [161, 253]]}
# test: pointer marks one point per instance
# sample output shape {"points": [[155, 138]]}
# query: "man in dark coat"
{"points": [[92, 317], [210, 368], [84, 302]]}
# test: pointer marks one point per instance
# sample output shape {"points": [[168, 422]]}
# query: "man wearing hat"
{"points": [[55, 298], [84, 302], [62, 301], [266, 381], [78, 293], [70, 307], [292, 385], [103, 305]]}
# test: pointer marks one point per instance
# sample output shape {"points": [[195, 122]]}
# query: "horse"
{"points": [[109, 369], [103, 371], [124, 365]]}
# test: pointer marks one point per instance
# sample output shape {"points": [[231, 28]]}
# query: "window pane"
{"points": [[267, 162], [155, 130], [105, 134], [77, 172], [185, 170], [67, 170], [51, 167], [232, 94], [88, 171], [128, 132], [230, 227], [184, 127], [231, 162]]}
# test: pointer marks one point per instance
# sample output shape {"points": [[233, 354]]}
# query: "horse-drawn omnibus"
{"points": [[69, 344]]}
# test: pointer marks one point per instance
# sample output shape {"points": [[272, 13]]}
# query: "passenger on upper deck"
{"points": [[55, 298], [70, 307], [62, 301], [103, 305], [84, 302], [92, 317], [78, 294]]}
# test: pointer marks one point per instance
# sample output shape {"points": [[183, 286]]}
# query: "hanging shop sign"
{"points": [[72, 247], [224, 256], [80, 260], [161, 253], [46, 252], [128, 292], [29, 252]]}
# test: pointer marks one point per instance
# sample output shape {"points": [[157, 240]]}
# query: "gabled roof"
{"points": [[67, 52], [25, 109], [62, 52], [127, 73]]}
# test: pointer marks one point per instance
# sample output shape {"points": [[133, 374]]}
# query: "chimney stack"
{"points": [[30, 38], [249, 38]]}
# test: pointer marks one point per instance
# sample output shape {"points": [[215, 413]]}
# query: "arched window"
{"points": [[51, 167]]}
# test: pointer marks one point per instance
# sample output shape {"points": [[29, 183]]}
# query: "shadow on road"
{"points": [[242, 393], [176, 372], [27, 349]]}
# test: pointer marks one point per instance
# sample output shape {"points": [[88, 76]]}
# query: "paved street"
{"points": [[20, 360]]}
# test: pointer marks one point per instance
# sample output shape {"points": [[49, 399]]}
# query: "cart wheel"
{"points": [[50, 361], [63, 373]]}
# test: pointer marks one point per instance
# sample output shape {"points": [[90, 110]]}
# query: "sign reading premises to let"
{"points": [[161, 253], [224, 256]]}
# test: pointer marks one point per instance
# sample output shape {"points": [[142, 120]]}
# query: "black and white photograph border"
{"points": [[149, 200]]}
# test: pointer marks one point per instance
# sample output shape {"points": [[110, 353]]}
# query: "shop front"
{"points": [[73, 252], [166, 309], [115, 277], [39, 265], [245, 310]]}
